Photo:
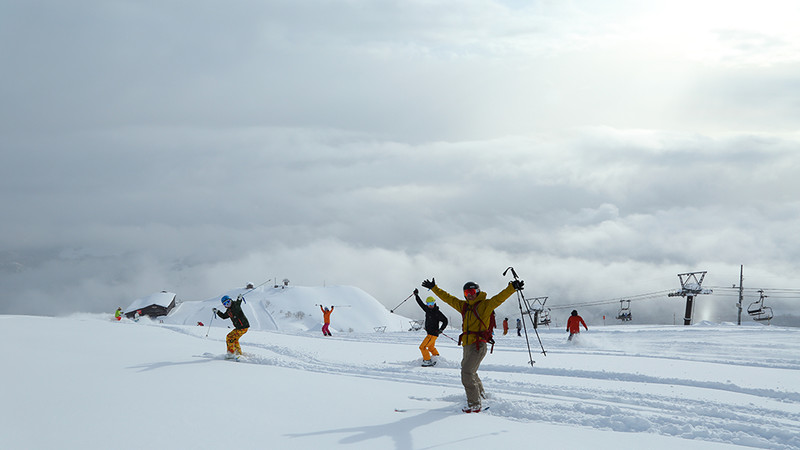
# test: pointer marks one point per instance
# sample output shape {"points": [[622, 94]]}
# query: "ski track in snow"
{"points": [[616, 401]]}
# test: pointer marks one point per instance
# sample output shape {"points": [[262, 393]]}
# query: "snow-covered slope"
{"points": [[296, 308], [92, 383]]}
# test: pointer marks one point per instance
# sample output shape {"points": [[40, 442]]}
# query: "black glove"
{"points": [[518, 284], [429, 283], [214, 309], [416, 291]]}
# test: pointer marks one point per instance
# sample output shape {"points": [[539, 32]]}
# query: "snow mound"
{"points": [[296, 308]]}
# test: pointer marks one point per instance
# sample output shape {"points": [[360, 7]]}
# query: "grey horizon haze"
{"points": [[600, 150]]}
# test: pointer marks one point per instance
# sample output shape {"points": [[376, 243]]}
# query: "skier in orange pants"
{"points": [[233, 311], [433, 317]]}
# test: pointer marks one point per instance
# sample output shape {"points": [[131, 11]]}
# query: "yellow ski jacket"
{"points": [[473, 325]]}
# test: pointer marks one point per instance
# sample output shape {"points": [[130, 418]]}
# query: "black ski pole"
{"points": [[253, 289], [527, 305], [392, 310], [213, 313], [520, 298], [525, 328], [528, 308]]}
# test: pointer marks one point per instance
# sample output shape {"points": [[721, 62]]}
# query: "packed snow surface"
{"points": [[89, 382]]}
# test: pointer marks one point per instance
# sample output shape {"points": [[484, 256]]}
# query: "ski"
{"points": [[224, 357], [404, 410]]}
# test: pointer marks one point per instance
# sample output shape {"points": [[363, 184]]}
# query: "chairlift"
{"points": [[544, 317], [757, 307], [758, 311], [537, 312], [624, 313], [765, 315]]}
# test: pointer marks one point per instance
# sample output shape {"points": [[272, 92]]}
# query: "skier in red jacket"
{"points": [[574, 324]]}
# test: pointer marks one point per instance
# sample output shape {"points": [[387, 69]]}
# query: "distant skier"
{"points": [[233, 311], [136, 315], [574, 324], [326, 316], [505, 326], [118, 314], [476, 312], [519, 327], [433, 317]]}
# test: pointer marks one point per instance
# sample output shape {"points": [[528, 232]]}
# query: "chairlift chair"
{"points": [[544, 317], [624, 313], [757, 307], [764, 315], [537, 312], [758, 311]]}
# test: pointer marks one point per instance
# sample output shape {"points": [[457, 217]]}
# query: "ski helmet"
{"points": [[430, 301], [574, 312], [226, 300], [472, 285]]}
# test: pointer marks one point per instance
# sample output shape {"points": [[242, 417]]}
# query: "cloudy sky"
{"points": [[600, 149]]}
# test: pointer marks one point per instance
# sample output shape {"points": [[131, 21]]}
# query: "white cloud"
{"points": [[379, 144]]}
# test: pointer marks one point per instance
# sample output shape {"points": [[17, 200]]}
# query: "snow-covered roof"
{"points": [[160, 298]]}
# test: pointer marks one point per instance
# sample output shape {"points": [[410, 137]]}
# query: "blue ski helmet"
{"points": [[226, 301]]}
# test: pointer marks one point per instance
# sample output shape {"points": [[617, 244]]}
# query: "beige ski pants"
{"points": [[473, 355]]}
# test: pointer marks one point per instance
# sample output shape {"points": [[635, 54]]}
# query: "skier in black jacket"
{"points": [[233, 311], [433, 316]]}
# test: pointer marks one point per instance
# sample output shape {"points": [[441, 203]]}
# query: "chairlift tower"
{"points": [[691, 285]]}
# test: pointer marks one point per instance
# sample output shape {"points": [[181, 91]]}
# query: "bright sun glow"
{"points": [[731, 33]]}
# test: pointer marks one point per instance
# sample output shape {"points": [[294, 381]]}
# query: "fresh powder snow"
{"points": [[87, 381]]}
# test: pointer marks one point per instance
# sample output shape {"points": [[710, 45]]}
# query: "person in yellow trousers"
{"points": [[233, 311], [433, 317], [476, 311]]}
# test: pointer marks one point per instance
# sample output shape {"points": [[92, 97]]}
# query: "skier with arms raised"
{"points": [[433, 317], [476, 311], [326, 317]]}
